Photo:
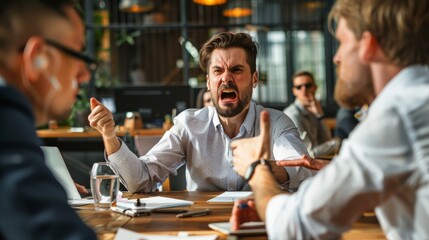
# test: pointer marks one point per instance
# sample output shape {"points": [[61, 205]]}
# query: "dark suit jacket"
{"points": [[33, 205]]}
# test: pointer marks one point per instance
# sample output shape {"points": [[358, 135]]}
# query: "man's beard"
{"points": [[231, 111], [349, 94]]}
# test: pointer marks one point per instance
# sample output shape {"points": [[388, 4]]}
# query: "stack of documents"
{"points": [[131, 208]]}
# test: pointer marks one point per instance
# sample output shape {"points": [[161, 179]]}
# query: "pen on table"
{"points": [[176, 211], [194, 214]]}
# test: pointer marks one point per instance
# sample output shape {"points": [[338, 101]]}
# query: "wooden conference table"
{"points": [[92, 133], [106, 223], [90, 139]]}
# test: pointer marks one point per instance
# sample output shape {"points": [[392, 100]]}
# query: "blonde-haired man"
{"points": [[385, 162]]}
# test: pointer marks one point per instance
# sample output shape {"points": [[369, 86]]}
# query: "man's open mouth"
{"points": [[228, 95]]}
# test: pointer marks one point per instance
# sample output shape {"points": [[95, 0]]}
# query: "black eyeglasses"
{"points": [[306, 85], [90, 61]]}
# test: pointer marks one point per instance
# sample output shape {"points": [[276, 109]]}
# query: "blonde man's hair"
{"points": [[350, 10], [400, 27]]}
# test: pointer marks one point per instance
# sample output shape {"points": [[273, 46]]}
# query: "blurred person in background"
{"points": [[307, 114], [204, 98]]}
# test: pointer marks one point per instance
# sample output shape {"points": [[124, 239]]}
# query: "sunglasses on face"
{"points": [[306, 85], [90, 61]]}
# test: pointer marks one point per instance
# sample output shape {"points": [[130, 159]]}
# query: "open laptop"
{"points": [[55, 162]]}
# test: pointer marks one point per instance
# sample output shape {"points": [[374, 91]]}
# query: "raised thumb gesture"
{"points": [[246, 151]]}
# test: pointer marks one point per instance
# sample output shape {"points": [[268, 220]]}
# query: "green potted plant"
{"points": [[80, 110]]}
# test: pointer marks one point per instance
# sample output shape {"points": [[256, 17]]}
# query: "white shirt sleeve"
{"points": [[371, 166], [144, 173]]}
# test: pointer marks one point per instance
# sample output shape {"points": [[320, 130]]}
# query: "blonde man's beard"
{"points": [[349, 95]]}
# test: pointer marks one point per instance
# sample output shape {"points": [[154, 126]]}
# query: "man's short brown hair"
{"points": [[227, 40], [303, 73]]}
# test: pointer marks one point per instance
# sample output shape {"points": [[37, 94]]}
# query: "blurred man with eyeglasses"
{"points": [[307, 113], [41, 67]]}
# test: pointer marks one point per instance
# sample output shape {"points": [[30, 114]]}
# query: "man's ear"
{"points": [[34, 61], [255, 79], [368, 47], [207, 82]]}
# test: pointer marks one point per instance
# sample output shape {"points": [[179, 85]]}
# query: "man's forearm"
{"points": [[279, 173], [264, 187], [111, 145]]}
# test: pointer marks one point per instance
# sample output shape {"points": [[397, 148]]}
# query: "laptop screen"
{"points": [[55, 162]]}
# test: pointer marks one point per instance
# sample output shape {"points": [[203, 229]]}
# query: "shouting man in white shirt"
{"points": [[200, 138]]}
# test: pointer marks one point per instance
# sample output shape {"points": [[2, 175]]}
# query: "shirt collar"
{"points": [[405, 76], [247, 124], [300, 107], [401, 81], [250, 120]]}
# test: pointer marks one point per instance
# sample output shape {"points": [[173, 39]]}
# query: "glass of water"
{"points": [[104, 185]]}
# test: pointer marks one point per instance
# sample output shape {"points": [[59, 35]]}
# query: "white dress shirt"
{"points": [[198, 140], [383, 165]]}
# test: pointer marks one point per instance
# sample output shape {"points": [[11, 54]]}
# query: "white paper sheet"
{"points": [[230, 196], [124, 234], [78, 202]]}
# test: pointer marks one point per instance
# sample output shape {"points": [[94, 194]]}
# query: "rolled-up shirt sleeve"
{"points": [[287, 145], [146, 172]]}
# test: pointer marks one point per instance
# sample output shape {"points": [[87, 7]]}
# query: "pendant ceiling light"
{"points": [[238, 8], [210, 2], [136, 6]]}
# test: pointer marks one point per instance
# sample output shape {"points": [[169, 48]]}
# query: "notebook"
{"points": [[55, 162], [249, 228]]}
